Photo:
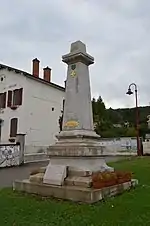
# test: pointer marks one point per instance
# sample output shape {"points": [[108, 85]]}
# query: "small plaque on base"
{"points": [[55, 174]]}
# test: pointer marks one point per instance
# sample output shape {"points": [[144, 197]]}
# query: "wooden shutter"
{"points": [[20, 92], [17, 96], [13, 127], [2, 100], [9, 99]]}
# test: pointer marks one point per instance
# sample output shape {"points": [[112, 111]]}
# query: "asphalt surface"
{"points": [[8, 175]]}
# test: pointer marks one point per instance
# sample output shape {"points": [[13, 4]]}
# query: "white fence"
{"points": [[146, 147], [124, 144]]}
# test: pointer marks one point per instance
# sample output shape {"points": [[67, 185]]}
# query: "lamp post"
{"points": [[130, 92]]}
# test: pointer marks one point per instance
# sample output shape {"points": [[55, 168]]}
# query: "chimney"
{"points": [[47, 74], [35, 68]]}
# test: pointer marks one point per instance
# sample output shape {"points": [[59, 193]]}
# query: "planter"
{"points": [[123, 180], [98, 185], [110, 183]]}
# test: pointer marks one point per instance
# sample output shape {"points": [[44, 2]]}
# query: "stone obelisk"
{"points": [[78, 117], [78, 145]]}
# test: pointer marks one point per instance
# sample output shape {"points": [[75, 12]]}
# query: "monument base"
{"points": [[73, 160], [79, 152], [73, 193]]}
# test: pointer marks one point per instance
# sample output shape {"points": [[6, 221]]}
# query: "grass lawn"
{"points": [[131, 208]]}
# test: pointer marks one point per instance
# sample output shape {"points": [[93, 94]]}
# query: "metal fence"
{"points": [[10, 155]]}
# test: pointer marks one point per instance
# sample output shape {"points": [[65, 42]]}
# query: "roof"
{"points": [[2, 66]]}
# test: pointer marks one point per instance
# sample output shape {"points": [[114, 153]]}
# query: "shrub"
{"points": [[106, 179]]}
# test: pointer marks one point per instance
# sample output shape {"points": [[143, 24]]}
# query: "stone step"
{"points": [[38, 170], [36, 178], [84, 182]]}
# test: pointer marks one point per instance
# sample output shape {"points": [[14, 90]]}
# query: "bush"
{"points": [[106, 179]]}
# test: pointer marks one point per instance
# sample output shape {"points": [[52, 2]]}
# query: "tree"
{"points": [[104, 119], [131, 132], [98, 109], [100, 116], [143, 129]]}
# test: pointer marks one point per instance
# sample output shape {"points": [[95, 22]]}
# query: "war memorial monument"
{"points": [[77, 154]]}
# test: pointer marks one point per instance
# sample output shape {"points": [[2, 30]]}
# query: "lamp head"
{"points": [[129, 92]]}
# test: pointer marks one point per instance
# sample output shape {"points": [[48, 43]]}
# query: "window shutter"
{"points": [[9, 100], [13, 127], [2, 100], [20, 93], [17, 97]]}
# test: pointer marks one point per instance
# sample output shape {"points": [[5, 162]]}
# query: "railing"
{"points": [[9, 155]]}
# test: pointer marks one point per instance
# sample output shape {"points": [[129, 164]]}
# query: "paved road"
{"points": [[8, 175]]}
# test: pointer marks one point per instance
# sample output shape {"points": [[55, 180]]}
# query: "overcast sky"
{"points": [[116, 32]]}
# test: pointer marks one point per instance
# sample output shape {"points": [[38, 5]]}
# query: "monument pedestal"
{"points": [[79, 151], [69, 173]]}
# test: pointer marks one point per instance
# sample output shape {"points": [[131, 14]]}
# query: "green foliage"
{"points": [[106, 119], [131, 132], [99, 110], [129, 209]]}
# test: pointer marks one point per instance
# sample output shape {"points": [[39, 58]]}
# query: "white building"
{"points": [[29, 105]]}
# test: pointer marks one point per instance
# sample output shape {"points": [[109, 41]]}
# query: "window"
{"points": [[9, 99], [17, 96], [14, 97], [13, 127], [2, 100]]}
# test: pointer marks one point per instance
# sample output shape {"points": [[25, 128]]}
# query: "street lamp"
{"points": [[130, 92]]}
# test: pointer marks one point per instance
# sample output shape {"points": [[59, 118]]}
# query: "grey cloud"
{"points": [[117, 34]]}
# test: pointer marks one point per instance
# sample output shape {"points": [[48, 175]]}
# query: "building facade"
{"points": [[29, 105]]}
